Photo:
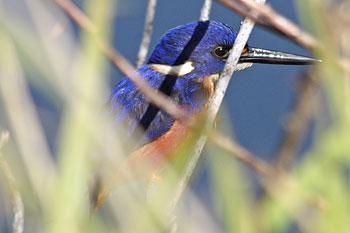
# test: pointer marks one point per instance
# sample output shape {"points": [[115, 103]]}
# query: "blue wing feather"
{"points": [[127, 105]]}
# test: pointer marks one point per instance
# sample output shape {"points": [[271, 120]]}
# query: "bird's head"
{"points": [[200, 49]]}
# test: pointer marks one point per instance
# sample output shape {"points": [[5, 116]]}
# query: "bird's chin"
{"points": [[242, 66]]}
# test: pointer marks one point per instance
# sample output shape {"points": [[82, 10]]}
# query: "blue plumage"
{"points": [[192, 42]]}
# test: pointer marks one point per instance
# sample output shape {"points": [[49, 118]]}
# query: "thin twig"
{"points": [[16, 199], [244, 11], [305, 107], [214, 104], [268, 17], [152, 94], [147, 33], [243, 154], [205, 10]]}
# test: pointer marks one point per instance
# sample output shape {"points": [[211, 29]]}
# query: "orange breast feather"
{"points": [[152, 156]]}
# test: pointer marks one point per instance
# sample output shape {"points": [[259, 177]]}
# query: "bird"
{"points": [[185, 65]]}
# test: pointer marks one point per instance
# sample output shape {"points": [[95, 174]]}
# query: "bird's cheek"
{"points": [[209, 83]]}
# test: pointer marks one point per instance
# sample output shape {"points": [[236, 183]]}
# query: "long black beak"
{"points": [[256, 55]]}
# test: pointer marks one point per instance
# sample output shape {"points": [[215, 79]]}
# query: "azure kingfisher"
{"points": [[185, 65]]}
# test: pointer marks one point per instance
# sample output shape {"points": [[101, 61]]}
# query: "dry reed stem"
{"points": [[214, 104], [16, 198], [205, 11], [147, 33], [243, 154], [268, 17], [304, 108]]}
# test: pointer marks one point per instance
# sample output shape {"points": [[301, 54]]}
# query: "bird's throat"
{"points": [[209, 83]]}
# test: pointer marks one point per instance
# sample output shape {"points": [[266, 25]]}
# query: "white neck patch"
{"points": [[179, 70]]}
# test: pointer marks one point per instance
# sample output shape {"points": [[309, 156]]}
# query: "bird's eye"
{"points": [[221, 52]]}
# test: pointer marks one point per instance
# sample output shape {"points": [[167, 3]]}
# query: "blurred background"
{"points": [[42, 45]]}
